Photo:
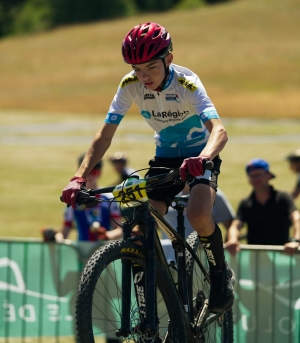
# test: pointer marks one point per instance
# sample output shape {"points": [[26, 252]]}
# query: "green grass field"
{"points": [[38, 161], [246, 52]]}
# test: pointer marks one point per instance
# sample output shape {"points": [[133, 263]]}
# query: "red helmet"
{"points": [[146, 42]]}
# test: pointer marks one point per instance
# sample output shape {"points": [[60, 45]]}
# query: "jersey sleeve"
{"points": [[122, 101], [115, 211], [198, 98], [68, 217]]}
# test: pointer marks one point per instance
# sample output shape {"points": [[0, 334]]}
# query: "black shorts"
{"points": [[169, 190]]}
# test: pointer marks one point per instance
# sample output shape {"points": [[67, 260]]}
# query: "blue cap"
{"points": [[257, 163]]}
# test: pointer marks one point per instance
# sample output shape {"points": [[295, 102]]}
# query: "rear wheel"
{"points": [[221, 330], [98, 307]]}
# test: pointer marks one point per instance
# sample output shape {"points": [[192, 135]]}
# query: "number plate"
{"points": [[131, 192]]}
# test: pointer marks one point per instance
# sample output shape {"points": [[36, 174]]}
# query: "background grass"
{"points": [[37, 164], [246, 52]]}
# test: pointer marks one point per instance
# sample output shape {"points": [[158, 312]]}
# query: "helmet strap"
{"points": [[161, 87]]}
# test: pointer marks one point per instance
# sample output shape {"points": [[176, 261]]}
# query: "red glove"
{"points": [[70, 193], [193, 166]]}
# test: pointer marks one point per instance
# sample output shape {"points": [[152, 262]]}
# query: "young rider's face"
{"points": [[151, 74]]}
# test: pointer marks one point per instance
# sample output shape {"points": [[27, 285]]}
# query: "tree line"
{"points": [[23, 16]]}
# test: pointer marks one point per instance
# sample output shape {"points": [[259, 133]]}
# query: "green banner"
{"points": [[38, 284], [267, 306]]}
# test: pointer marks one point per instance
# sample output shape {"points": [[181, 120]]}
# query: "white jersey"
{"points": [[176, 114]]}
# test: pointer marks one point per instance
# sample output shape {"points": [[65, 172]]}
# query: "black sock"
{"points": [[213, 247]]}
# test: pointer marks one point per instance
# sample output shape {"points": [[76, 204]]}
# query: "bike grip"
{"points": [[208, 165]]}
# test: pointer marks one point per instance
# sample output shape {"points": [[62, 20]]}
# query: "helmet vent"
{"points": [[156, 33], [141, 50], [150, 48], [144, 32]]}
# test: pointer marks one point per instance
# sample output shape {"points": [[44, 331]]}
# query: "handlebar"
{"points": [[87, 196]]}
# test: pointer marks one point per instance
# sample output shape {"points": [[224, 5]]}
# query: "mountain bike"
{"points": [[128, 291]]}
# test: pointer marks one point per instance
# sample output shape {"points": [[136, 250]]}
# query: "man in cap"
{"points": [[294, 161], [267, 212]]}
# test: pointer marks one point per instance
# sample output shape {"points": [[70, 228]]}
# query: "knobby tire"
{"points": [[100, 285]]}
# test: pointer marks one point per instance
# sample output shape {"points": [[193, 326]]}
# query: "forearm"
{"points": [[216, 142], [94, 154], [296, 224], [234, 230], [115, 234], [97, 149]]}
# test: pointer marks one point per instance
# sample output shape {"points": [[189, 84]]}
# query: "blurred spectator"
{"points": [[98, 223], [294, 161], [267, 212], [119, 161], [222, 213]]}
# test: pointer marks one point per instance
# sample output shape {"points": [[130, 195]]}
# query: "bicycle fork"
{"points": [[144, 283]]}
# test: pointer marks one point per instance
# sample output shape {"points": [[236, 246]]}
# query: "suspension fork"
{"points": [[149, 323], [181, 261], [126, 289]]}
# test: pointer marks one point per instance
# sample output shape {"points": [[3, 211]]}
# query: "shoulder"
{"points": [[129, 79], [247, 202], [187, 78], [282, 195], [106, 197]]}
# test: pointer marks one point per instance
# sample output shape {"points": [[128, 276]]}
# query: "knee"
{"points": [[200, 219]]}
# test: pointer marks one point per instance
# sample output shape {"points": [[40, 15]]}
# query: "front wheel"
{"points": [[221, 330], [99, 299]]}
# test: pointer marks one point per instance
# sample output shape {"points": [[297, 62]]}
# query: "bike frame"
{"points": [[147, 217]]}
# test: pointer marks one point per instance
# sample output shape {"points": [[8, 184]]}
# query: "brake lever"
{"points": [[84, 198]]}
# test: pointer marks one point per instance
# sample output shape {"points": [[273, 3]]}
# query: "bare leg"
{"points": [[199, 209], [199, 214]]}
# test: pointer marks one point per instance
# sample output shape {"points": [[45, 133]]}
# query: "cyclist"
{"points": [[188, 132]]}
